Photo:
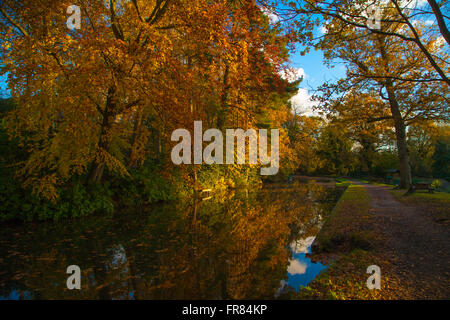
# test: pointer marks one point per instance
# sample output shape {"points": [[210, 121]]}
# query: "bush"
{"points": [[145, 185], [74, 201], [436, 184], [18, 203]]}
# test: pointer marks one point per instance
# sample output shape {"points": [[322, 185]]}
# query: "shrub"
{"points": [[436, 184], [74, 201], [145, 185]]}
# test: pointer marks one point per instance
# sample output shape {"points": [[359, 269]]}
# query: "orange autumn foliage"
{"points": [[91, 99]]}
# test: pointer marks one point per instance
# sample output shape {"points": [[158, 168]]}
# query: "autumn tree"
{"points": [[304, 133], [441, 155], [91, 100], [355, 110], [422, 138], [361, 15], [397, 71], [334, 148]]}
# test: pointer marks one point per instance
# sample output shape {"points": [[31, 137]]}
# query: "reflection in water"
{"points": [[301, 270], [238, 245]]}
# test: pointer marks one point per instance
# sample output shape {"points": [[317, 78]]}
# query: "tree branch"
{"points": [[440, 20], [14, 23], [420, 44]]}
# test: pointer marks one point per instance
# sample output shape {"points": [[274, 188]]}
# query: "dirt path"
{"points": [[417, 247]]}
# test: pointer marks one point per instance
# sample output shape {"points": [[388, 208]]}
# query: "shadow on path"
{"points": [[418, 247]]}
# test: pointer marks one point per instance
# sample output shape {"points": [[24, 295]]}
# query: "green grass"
{"points": [[342, 182], [422, 196], [436, 204], [362, 180], [342, 231], [382, 184]]}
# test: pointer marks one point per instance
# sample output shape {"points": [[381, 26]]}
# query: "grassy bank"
{"points": [[436, 204], [342, 231], [350, 241]]}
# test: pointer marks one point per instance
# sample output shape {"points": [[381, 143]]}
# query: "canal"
{"points": [[241, 244]]}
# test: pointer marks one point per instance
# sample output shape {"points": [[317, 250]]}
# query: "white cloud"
{"points": [[273, 17], [323, 29], [407, 3], [302, 245], [296, 267], [292, 74], [413, 3], [302, 103], [419, 22], [439, 43]]}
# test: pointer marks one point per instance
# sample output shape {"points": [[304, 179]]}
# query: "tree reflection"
{"points": [[234, 246]]}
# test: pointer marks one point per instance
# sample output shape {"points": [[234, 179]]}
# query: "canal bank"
{"points": [[368, 227]]}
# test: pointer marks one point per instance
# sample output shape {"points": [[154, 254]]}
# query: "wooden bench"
{"points": [[422, 186]]}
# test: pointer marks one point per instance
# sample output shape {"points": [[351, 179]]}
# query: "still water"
{"points": [[243, 244]]}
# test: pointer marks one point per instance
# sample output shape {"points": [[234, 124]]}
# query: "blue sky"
{"points": [[3, 86], [315, 73], [313, 70]]}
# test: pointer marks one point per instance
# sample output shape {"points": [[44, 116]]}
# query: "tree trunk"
{"points": [[98, 166], [403, 155], [222, 114], [366, 155], [399, 123], [400, 133], [133, 160], [96, 172]]}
